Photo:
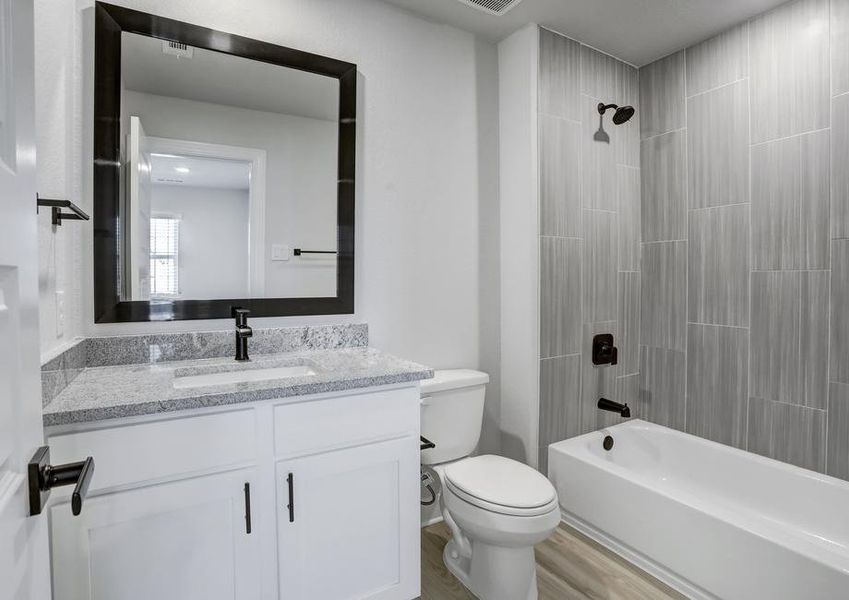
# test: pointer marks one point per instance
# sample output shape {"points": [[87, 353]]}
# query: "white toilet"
{"points": [[497, 508]]}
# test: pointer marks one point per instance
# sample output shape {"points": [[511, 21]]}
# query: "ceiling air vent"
{"points": [[493, 7], [177, 49]]}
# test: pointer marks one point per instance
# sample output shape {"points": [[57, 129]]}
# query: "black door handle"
{"points": [[248, 508], [291, 505], [43, 477]]}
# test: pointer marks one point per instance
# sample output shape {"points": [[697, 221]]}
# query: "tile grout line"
{"points": [[657, 135], [745, 432], [686, 167], [786, 137], [688, 97]]}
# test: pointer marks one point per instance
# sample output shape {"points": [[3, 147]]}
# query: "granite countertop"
{"points": [[112, 392]]}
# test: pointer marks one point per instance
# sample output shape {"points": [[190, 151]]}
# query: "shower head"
{"points": [[622, 115]]}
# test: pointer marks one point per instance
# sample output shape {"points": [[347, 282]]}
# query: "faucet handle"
{"points": [[241, 315], [603, 350]]}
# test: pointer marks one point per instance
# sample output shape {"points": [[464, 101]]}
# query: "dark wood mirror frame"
{"points": [[110, 22]]}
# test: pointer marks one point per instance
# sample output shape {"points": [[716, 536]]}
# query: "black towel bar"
{"points": [[76, 213], [298, 251]]}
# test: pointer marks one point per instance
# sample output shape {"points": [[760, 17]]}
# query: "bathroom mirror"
{"points": [[223, 174]]}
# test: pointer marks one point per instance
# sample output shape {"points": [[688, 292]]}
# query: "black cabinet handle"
{"points": [[248, 508], [291, 505], [43, 477]]}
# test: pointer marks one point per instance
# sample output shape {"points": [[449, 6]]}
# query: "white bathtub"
{"points": [[709, 520]]}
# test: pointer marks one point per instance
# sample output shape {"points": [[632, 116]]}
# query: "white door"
{"points": [[186, 540], [23, 540], [137, 225], [353, 530]]}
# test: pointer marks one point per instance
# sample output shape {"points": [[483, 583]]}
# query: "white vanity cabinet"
{"points": [[184, 539], [167, 512]]}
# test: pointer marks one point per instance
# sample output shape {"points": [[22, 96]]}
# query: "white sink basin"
{"points": [[242, 376]]}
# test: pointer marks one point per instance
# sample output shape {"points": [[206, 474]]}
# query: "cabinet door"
{"points": [[185, 540], [353, 531]]}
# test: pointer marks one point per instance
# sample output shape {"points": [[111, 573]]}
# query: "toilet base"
{"points": [[494, 572]]}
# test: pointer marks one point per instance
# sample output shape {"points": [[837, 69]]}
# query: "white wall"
{"points": [[213, 255], [57, 97], [518, 60], [301, 164], [427, 162]]}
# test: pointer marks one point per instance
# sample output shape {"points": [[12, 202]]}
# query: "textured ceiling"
{"points": [[636, 31]]}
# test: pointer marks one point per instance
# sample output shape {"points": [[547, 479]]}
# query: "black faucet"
{"points": [[610, 405], [243, 332]]}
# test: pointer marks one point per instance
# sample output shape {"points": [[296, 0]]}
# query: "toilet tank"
{"points": [[452, 413]]}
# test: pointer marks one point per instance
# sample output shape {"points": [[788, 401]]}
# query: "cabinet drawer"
{"points": [[306, 427], [154, 450]]}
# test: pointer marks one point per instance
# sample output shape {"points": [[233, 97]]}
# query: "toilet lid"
{"points": [[501, 481]]}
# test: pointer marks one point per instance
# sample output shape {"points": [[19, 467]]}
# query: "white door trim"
{"points": [[256, 194]]}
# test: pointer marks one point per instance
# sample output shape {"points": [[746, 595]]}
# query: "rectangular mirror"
{"points": [[223, 174]]}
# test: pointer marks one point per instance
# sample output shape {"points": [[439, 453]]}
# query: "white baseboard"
{"points": [[432, 521]]}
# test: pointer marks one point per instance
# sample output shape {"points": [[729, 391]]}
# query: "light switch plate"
{"points": [[279, 252]]}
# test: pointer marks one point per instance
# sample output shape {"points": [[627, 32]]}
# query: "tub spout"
{"points": [[610, 405]]}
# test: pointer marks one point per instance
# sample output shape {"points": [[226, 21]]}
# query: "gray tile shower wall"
{"points": [[590, 235], [142, 349], [745, 146]]}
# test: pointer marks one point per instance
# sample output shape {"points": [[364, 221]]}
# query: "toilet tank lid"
{"points": [[453, 379]]}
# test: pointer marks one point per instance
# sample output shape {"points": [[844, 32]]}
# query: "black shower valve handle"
{"points": [[603, 351]]}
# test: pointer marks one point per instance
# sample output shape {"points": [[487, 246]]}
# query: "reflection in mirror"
{"points": [[228, 166]]}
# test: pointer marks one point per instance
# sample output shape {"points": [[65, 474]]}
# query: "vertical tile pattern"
{"points": [[628, 189], [607, 79], [598, 152], [790, 203], [629, 323], [839, 47], [839, 172], [662, 96], [559, 390], [718, 61], [664, 187], [788, 433], [590, 228], [839, 314], [628, 391], [838, 431], [790, 80], [560, 176], [664, 296], [560, 296], [718, 146], [718, 271], [767, 255], [600, 261], [559, 75], [663, 390], [776, 336], [813, 344], [717, 383]]}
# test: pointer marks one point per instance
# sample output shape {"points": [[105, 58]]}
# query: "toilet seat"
{"points": [[501, 485]]}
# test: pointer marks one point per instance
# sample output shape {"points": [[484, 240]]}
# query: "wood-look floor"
{"points": [[569, 566]]}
